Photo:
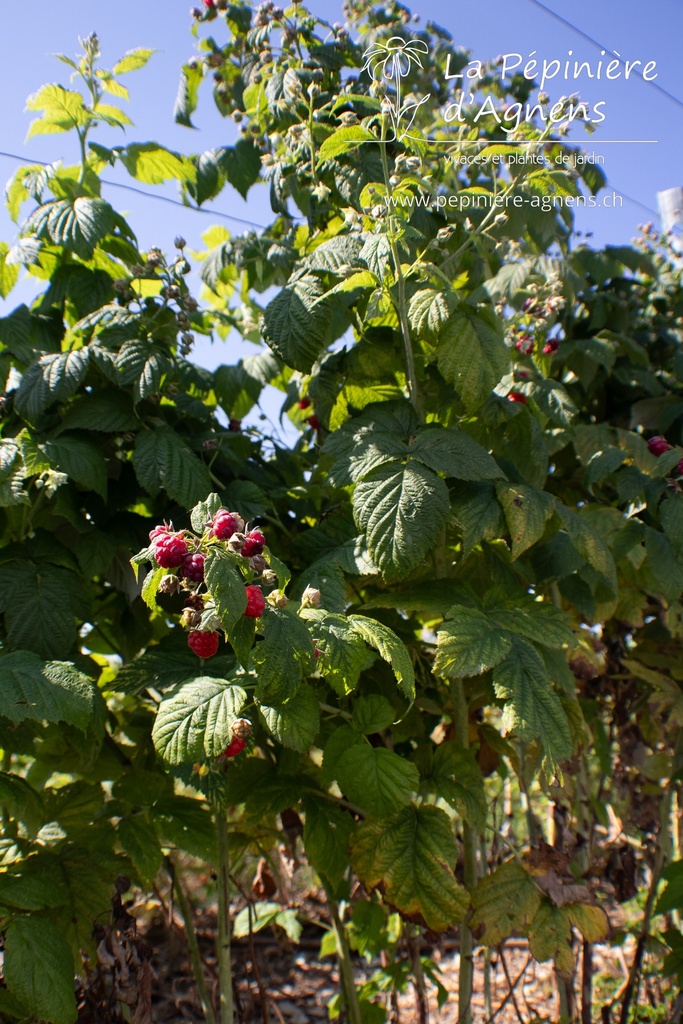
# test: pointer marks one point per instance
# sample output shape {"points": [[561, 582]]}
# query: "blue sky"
{"points": [[634, 110]]}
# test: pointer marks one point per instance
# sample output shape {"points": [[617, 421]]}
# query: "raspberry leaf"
{"points": [[295, 723], [377, 780], [225, 584], [195, 718], [46, 691], [504, 903], [162, 460], [411, 858], [39, 969]]}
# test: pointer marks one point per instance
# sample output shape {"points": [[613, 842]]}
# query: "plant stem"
{"points": [[402, 305], [348, 984], [192, 945], [227, 1011], [470, 844]]}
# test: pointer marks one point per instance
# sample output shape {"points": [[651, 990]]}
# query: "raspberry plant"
{"points": [[439, 635]]}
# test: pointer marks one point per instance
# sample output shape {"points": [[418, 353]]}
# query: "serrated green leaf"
{"points": [[39, 970], [472, 356], [63, 109], [550, 936], [295, 723], [429, 311], [154, 164], [132, 60], [80, 459], [9, 273], [150, 587], [191, 76], [477, 512], [400, 508], [377, 780], [142, 364], [226, 585], [140, 842], [327, 832], [241, 165], [163, 460], [183, 822], [533, 710], [372, 714], [41, 605], [203, 511], [342, 651], [51, 691], [456, 777], [527, 510], [343, 140], [296, 323], [468, 645], [53, 378], [76, 224], [194, 721], [282, 657], [390, 647], [504, 903], [411, 857]]}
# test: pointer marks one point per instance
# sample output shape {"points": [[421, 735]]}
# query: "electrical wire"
{"points": [[151, 195], [600, 46]]}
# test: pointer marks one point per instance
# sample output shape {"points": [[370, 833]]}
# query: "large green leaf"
{"points": [[504, 903], [377, 780], [76, 224], [472, 355], [400, 508], [226, 585], [163, 460], [327, 832], [154, 164], [342, 651], [295, 723], [41, 604], [133, 60], [39, 969], [527, 510], [63, 109], [456, 777], [533, 710], [296, 322], [45, 691], [53, 378], [81, 459], [282, 657], [468, 644], [411, 859], [390, 647], [194, 721]]}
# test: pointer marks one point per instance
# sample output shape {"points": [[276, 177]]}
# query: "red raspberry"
{"points": [[658, 445], [204, 645], [517, 396], [551, 346], [210, 3], [525, 345], [234, 747], [256, 602], [523, 374], [225, 524], [193, 568], [304, 403], [159, 531], [678, 471], [253, 544], [317, 652], [528, 305], [235, 426], [314, 422], [170, 550]]}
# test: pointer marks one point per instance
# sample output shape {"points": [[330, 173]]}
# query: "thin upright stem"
{"points": [[348, 984], [470, 845], [402, 304], [192, 945], [227, 1010]]}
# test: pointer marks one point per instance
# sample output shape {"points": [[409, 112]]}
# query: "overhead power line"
{"points": [[601, 46], [152, 195]]}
